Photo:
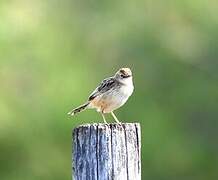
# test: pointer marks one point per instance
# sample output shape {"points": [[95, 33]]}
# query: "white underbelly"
{"points": [[115, 102]]}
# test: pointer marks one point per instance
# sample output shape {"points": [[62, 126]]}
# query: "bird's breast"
{"points": [[127, 90]]}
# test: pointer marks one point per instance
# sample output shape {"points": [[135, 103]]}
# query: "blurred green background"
{"points": [[53, 54]]}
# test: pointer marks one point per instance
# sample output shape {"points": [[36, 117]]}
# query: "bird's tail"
{"points": [[79, 109]]}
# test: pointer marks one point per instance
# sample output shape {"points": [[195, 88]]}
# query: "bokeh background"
{"points": [[53, 54]]}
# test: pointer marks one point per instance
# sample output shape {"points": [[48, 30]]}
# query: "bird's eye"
{"points": [[122, 76]]}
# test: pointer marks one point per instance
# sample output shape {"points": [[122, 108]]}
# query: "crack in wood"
{"points": [[127, 173]]}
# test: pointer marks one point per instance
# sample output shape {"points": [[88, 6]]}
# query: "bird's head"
{"points": [[124, 75]]}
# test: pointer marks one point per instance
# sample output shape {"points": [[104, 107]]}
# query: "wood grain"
{"points": [[107, 152]]}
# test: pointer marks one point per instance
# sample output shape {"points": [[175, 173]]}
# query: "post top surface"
{"points": [[107, 125]]}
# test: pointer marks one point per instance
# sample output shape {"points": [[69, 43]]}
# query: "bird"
{"points": [[111, 94]]}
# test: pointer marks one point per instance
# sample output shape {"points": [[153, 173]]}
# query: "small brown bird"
{"points": [[112, 93]]}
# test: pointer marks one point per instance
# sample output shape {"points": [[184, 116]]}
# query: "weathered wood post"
{"points": [[107, 152]]}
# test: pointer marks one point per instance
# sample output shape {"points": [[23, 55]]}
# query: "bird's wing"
{"points": [[104, 86]]}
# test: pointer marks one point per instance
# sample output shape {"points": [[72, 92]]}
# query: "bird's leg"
{"points": [[103, 117], [115, 118]]}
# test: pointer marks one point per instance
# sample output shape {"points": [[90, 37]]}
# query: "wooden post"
{"points": [[107, 152]]}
